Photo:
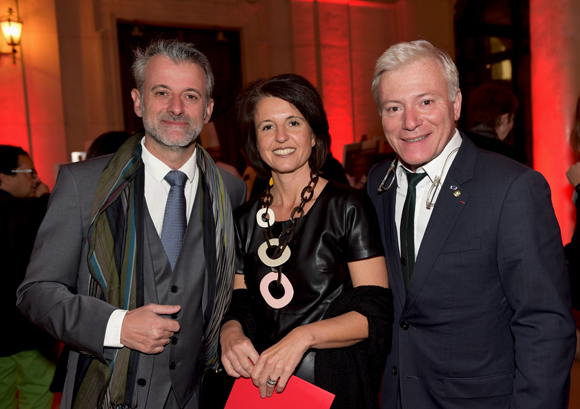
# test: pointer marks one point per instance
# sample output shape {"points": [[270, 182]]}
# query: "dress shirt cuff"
{"points": [[113, 332]]}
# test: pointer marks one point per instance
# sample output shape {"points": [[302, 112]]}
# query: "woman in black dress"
{"points": [[311, 293]]}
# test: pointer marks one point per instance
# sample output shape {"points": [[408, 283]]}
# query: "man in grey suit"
{"points": [[474, 254], [134, 263]]}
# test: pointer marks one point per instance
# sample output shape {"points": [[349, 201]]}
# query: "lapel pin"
{"points": [[452, 187], [457, 193]]}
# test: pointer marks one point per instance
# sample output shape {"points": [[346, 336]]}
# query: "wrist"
{"points": [[231, 327], [306, 337]]}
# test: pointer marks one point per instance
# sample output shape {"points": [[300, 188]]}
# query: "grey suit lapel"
{"points": [[446, 212]]}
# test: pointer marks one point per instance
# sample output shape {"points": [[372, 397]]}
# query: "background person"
{"points": [[573, 248], [330, 324], [491, 111], [26, 356], [107, 143]]}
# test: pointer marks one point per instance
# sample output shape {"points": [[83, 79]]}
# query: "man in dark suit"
{"points": [[474, 254], [134, 263], [25, 358]]}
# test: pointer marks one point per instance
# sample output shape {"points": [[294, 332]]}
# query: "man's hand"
{"points": [[145, 331]]}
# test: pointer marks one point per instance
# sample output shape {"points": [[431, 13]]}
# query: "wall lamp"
{"points": [[12, 30]]}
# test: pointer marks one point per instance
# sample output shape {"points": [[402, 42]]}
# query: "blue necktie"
{"points": [[408, 226], [174, 220]]}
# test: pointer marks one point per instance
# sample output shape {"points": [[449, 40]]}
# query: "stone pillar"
{"points": [[555, 66], [336, 45], [39, 48]]}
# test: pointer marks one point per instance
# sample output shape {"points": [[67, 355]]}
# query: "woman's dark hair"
{"points": [[107, 143], [9, 158], [296, 90]]}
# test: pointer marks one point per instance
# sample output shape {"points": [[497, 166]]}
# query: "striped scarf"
{"points": [[115, 262]]}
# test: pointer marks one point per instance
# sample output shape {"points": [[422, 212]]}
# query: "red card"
{"points": [[298, 393]]}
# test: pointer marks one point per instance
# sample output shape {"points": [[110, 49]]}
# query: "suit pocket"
{"points": [[479, 387], [461, 246]]}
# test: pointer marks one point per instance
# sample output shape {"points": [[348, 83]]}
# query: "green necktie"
{"points": [[408, 226]]}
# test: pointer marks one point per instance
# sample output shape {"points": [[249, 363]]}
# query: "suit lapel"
{"points": [[396, 282], [446, 212]]}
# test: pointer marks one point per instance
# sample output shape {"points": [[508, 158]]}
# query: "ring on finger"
{"points": [[271, 382]]}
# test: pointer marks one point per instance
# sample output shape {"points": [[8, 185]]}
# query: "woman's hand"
{"points": [[278, 362], [574, 174], [238, 353]]}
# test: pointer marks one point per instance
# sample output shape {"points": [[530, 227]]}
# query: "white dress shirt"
{"points": [[435, 168], [156, 192]]}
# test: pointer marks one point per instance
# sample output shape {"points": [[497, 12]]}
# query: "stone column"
{"points": [[555, 52]]}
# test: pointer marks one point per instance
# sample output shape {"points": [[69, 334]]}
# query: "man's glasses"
{"points": [[31, 172]]}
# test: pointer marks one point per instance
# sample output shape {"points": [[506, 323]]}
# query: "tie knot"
{"points": [[176, 178], [414, 178]]}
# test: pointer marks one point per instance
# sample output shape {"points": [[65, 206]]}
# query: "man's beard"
{"points": [[153, 130]]}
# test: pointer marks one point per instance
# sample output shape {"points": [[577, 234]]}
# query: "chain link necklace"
{"points": [[281, 254]]}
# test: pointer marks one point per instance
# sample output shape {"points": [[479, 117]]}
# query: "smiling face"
{"points": [[285, 139], [417, 115], [173, 105]]}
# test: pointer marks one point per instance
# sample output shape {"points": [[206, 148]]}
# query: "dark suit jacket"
{"points": [[54, 294], [486, 322]]}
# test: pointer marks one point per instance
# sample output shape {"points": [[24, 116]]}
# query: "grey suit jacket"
{"points": [[54, 294], [487, 318]]}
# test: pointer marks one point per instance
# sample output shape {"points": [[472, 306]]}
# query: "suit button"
{"points": [[174, 289], [174, 340], [403, 261], [174, 316], [141, 382], [172, 366], [404, 326], [395, 372]]}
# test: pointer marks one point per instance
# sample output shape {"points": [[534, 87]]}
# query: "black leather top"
{"points": [[340, 227]]}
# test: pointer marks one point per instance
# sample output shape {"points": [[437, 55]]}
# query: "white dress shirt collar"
{"points": [[157, 188], [434, 168], [425, 189], [157, 169]]}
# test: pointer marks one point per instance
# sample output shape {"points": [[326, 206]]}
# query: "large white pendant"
{"points": [[270, 262], [288, 290]]}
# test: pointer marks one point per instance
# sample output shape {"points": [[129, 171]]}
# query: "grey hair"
{"points": [[178, 53], [402, 54]]}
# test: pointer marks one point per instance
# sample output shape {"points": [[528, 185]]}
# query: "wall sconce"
{"points": [[12, 30]]}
